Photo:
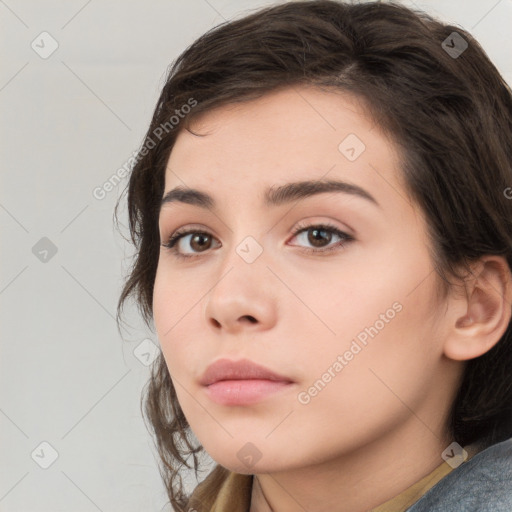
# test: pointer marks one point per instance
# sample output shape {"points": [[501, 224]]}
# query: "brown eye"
{"points": [[317, 237], [200, 241], [188, 243], [320, 238]]}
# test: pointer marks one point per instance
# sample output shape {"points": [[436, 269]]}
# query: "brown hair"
{"points": [[451, 116]]}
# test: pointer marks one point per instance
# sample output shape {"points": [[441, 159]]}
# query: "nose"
{"points": [[243, 298]]}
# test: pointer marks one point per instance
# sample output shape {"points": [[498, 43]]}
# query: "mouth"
{"points": [[241, 382], [244, 392]]}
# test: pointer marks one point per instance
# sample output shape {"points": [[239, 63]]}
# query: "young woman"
{"points": [[322, 212]]}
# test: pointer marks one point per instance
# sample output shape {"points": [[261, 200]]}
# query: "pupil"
{"points": [[201, 238], [318, 238]]}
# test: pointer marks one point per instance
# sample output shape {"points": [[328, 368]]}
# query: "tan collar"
{"points": [[235, 492]]}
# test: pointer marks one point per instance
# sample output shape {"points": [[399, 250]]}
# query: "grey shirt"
{"points": [[482, 484]]}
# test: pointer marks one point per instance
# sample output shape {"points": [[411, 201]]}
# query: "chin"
{"points": [[242, 462]]}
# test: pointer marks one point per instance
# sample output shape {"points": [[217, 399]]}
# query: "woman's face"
{"points": [[354, 325]]}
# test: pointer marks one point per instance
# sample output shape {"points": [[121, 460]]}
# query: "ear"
{"points": [[479, 320]]}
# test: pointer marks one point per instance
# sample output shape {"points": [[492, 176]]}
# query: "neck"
{"points": [[355, 481]]}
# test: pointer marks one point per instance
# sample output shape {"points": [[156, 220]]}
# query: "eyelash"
{"points": [[180, 233]]}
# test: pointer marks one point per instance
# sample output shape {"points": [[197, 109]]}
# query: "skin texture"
{"points": [[378, 426]]}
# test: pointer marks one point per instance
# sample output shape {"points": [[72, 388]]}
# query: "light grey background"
{"points": [[70, 120]]}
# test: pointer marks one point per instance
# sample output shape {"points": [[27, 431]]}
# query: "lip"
{"points": [[244, 369], [241, 382]]}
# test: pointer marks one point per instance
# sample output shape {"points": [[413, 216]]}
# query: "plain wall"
{"points": [[70, 121]]}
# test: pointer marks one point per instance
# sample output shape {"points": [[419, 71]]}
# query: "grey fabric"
{"points": [[482, 484]]}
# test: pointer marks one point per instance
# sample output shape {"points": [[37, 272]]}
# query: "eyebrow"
{"points": [[273, 196]]}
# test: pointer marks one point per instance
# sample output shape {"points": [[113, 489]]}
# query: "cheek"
{"points": [[373, 386], [381, 325], [162, 303], [173, 307], [174, 295]]}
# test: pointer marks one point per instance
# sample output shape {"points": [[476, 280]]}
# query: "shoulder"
{"points": [[483, 483]]}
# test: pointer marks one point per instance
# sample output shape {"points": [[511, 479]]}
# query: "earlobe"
{"points": [[487, 310]]}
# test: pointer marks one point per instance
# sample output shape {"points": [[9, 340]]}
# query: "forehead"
{"points": [[294, 134]]}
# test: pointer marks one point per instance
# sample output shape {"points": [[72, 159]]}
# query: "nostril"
{"points": [[244, 318], [216, 323]]}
